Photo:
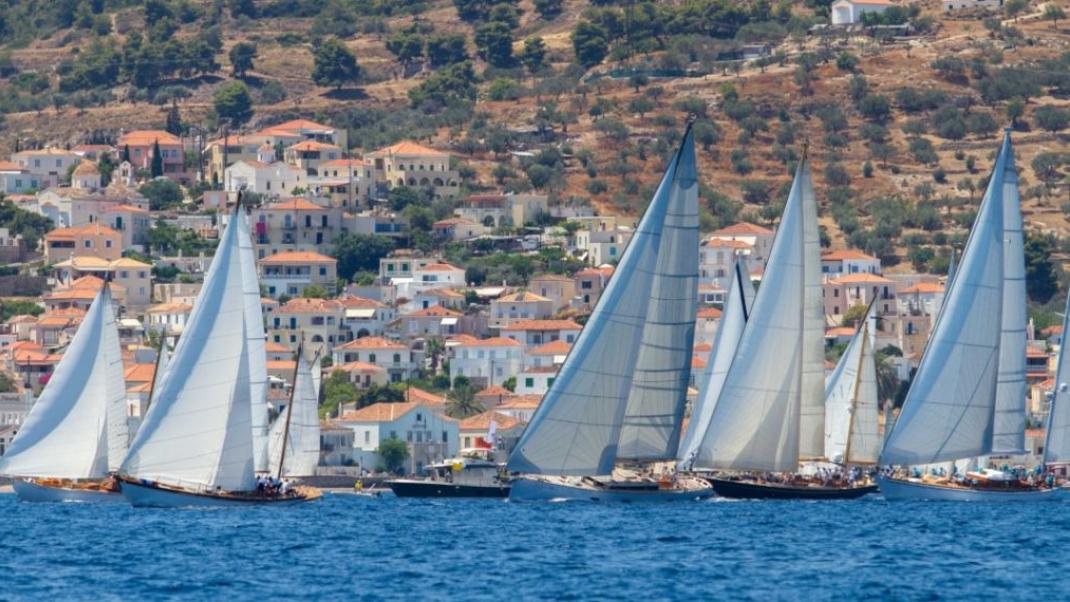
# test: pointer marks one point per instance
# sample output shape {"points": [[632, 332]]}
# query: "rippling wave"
{"points": [[380, 549]]}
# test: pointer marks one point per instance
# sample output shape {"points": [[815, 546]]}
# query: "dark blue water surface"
{"points": [[345, 547]]}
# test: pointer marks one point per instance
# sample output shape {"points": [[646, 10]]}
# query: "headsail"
{"points": [[622, 388], [255, 341], [1008, 425], [948, 412], [302, 436], [1057, 439], [69, 432], [199, 432], [695, 449], [769, 392], [852, 405]]}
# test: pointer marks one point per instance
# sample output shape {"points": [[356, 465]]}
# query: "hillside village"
{"points": [[438, 238]]}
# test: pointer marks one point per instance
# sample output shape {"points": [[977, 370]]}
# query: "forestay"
{"points": [[302, 435], [256, 343], [199, 432], [622, 371], [71, 432], [769, 392], [695, 447], [948, 412], [1008, 426]]}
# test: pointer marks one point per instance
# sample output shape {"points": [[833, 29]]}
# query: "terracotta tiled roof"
{"points": [[130, 208], [840, 331], [520, 297], [127, 262], [697, 363], [296, 257], [295, 204], [418, 395], [273, 347], [703, 348], [88, 229], [481, 422], [438, 267], [408, 148], [170, 308], [709, 313], [557, 347], [462, 338], [9, 166], [148, 137], [442, 292], [303, 124], [435, 311], [380, 412], [287, 366], [521, 402], [730, 244], [359, 367], [494, 391], [309, 306], [861, 278], [139, 373], [86, 168], [312, 145], [1032, 352], [542, 325], [372, 343], [344, 163], [923, 288], [742, 228], [491, 342]]}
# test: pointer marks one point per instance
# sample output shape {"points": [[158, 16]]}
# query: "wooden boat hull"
{"points": [[415, 488], [148, 495], [899, 489], [558, 489], [30, 491], [772, 491]]}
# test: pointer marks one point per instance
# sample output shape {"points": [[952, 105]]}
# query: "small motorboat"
{"points": [[472, 474]]}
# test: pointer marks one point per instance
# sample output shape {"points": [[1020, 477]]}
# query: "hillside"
{"points": [[902, 130]]}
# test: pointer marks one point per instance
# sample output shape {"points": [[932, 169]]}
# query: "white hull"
{"points": [[154, 497], [32, 492], [897, 490], [554, 489]]}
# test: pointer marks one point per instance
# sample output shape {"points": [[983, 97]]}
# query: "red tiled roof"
{"points": [[295, 204], [557, 347], [309, 306], [379, 412], [297, 257], [923, 288], [372, 343], [709, 313], [435, 311], [841, 254], [542, 325], [481, 422], [148, 137], [491, 342], [742, 228], [408, 148]]}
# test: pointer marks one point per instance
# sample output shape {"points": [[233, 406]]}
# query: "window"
{"points": [[122, 273], [323, 271], [367, 436], [107, 245], [529, 382], [397, 360], [371, 358], [408, 436], [88, 244], [445, 437], [550, 381]]}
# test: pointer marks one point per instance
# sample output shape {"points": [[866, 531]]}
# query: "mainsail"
{"points": [[1008, 425], [299, 426], [72, 432], [622, 389], [695, 448], [771, 408], [949, 410], [851, 402], [199, 432], [1057, 439], [256, 343]]}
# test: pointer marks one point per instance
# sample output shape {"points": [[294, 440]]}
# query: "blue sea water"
{"points": [[346, 547]]}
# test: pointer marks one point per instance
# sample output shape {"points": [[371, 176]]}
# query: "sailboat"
{"points": [[769, 417], [295, 436], [852, 403], [198, 443], [75, 434], [620, 394], [1057, 438], [695, 447], [968, 396]]}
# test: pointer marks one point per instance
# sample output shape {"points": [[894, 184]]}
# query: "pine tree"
{"points": [[174, 120], [156, 167]]}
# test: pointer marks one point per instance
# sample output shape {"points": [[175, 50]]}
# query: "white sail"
{"points": [[863, 443], [1008, 425], [756, 423], [603, 385], [303, 434], [1057, 438], [256, 343], [948, 412], [67, 433], [199, 431], [812, 336], [162, 364], [840, 388], [695, 449]]}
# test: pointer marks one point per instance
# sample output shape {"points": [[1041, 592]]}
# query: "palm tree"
{"points": [[461, 402], [887, 378], [434, 347]]}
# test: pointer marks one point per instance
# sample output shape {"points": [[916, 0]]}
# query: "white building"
{"points": [[486, 362], [522, 305], [760, 240], [395, 358], [846, 12], [603, 246], [274, 179], [429, 436], [987, 5], [849, 261]]}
